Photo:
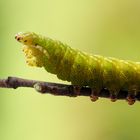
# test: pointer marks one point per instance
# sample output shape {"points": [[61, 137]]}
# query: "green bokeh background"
{"points": [[109, 28]]}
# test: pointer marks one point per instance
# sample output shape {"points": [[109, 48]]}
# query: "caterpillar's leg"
{"points": [[76, 90], [94, 94], [131, 97], [113, 95]]}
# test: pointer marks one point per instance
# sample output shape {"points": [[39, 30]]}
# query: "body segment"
{"points": [[80, 68]]}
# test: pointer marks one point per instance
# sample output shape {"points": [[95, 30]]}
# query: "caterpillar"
{"points": [[80, 68]]}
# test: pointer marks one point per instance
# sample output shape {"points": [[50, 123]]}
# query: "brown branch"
{"points": [[56, 88]]}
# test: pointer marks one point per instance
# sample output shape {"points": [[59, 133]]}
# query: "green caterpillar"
{"points": [[81, 69]]}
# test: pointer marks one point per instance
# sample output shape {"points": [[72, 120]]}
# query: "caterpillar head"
{"points": [[35, 53], [27, 38]]}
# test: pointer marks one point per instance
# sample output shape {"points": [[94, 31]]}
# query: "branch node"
{"points": [[40, 87]]}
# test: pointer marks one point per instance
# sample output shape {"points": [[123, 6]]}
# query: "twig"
{"points": [[56, 88]]}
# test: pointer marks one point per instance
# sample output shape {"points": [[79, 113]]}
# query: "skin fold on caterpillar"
{"points": [[80, 68]]}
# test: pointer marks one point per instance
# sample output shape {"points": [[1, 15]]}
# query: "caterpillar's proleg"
{"points": [[94, 94], [131, 97], [113, 95]]}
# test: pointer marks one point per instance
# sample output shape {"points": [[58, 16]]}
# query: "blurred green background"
{"points": [[109, 28]]}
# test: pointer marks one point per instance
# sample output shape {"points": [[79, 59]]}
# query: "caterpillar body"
{"points": [[80, 68]]}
